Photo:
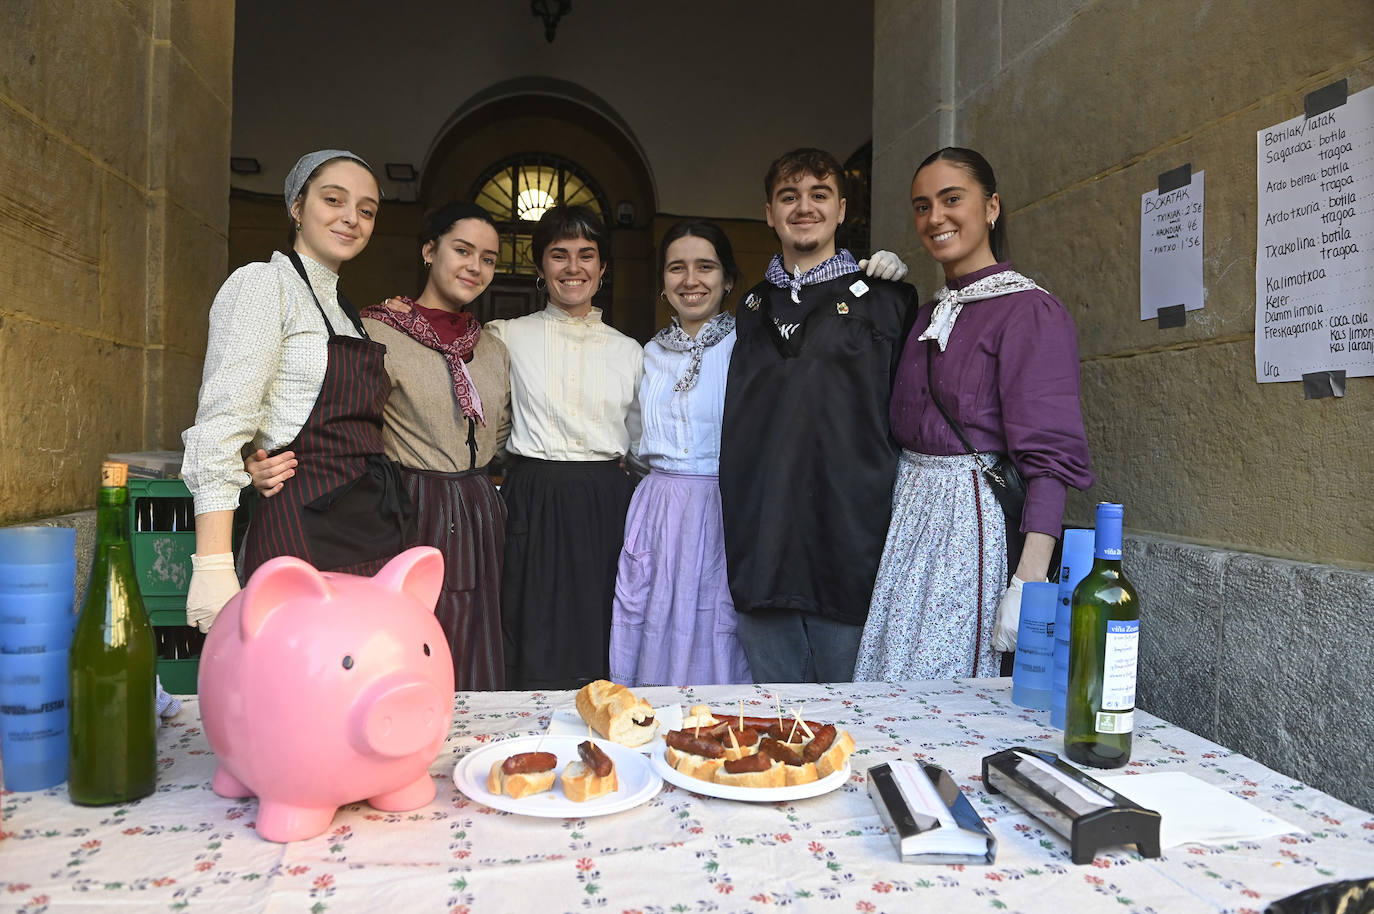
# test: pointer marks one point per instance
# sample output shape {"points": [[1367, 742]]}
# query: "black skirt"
{"points": [[462, 515], [563, 539]]}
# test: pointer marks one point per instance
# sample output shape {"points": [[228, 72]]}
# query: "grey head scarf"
{"points": [[300, 172]]}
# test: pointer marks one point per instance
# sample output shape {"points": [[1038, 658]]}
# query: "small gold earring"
{"points": [[427, 264], [298, 226]]}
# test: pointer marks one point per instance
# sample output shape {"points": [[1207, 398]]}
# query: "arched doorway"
{"points": [[517, 191], [557, 138]]}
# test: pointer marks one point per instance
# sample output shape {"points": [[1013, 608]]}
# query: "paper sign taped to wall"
{"points": [[1314, 265], [1171, 247]]}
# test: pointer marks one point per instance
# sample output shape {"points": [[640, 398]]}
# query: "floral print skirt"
{"points": [[942, 574]]}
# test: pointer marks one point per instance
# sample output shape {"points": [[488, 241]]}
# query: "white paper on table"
{"points": [[1171, 248], [1194, 812], [1081, 798]]}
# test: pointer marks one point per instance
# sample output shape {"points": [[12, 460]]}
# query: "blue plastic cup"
{"points": [[43, 608], [37, 639], [34, 719], [1032, 674], [1077, 562], [37, 545], [36, 577]]}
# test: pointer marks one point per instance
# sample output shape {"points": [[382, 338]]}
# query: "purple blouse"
{"points": [[1010, 377]]}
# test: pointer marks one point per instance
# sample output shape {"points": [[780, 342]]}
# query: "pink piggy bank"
{"points": [[321, 689]]}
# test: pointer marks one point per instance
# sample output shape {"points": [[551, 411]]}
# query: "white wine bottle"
{"points": [[1104, 642]]}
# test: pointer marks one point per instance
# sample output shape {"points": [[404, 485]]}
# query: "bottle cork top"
{"points": [[114, 474]]}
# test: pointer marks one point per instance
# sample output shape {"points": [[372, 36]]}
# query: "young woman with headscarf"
{"points": [[289, 366]]}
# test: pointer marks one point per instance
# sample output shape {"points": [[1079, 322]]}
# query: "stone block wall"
{"points": [[114, 146], [1079, 105]]}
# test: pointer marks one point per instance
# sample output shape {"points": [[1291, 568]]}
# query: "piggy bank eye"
{"points": [[348, 662], [426, 650]]}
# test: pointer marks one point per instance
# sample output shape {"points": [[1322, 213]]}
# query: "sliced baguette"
{"points": [[518, 785], [800, 774], [581, 784], [774, 776], [694, 766]]}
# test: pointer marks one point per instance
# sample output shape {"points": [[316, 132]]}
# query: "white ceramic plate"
{"points": [[748, 794], [567, 722], [638, 782]]}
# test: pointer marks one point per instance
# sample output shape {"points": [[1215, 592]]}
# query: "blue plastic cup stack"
{"points": [[1030, 676], [1077, 562], [37, 618]]}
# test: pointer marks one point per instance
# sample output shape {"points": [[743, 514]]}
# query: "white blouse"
{"points": [[682, 427], [573, 384], [264, 365]]}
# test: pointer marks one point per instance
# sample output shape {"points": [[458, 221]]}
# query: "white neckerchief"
{"points": [[949, 302]]}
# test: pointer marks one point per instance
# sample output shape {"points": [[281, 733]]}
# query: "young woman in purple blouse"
{"points": [[1001, 354]]}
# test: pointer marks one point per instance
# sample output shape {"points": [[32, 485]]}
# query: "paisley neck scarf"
{"points": [[455, 345], [675, 339], [949, 302]]}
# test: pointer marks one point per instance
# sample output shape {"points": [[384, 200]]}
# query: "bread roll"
{"points": [[833, 759], [614, 712], [581, 784], [518, 785]]}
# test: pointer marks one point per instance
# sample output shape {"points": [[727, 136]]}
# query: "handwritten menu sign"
{"points": [[1171, 247], [1314, 267]]}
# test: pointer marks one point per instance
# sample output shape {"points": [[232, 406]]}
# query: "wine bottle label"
{"points": [[1115, 721], [1118, 666]]}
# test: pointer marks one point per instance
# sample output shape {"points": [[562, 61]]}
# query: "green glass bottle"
{"points": [[1104, 642], [113, 667]]}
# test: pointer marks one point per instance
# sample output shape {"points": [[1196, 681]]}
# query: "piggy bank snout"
{"points": [[400, 717]]}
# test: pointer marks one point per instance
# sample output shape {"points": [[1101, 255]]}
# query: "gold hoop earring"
{"points": [[992, 226]]}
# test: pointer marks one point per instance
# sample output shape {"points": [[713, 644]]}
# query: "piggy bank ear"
{"points": [[418, 572], [277, 582]]}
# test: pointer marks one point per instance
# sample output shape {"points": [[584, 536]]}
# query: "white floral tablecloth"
{"points": [[184, 848]]}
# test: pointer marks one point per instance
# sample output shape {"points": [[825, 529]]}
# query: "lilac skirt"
{"points": [[674, 622]]}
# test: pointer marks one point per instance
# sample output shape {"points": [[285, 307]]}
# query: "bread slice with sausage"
{"points": [[614, 712], [834, 758], [520, 785], [771, 776], [580, 782]]}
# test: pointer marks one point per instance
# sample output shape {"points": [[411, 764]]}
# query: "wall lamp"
{"points": [[401, 171], [244, 165]]}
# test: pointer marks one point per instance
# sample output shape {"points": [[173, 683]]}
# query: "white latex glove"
{"points": [[1008, 617], [884, 265], [213, 583]]}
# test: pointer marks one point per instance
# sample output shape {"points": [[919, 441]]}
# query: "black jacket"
{"points": [[807, 462]]}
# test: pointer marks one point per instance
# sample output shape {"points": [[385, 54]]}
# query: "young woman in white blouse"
{"points": [[289, 366], [673, 621], [574, 417]]}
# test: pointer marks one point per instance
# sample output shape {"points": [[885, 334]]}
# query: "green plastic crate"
{"points": [[179, 676], [162, 558], [162, 565]]}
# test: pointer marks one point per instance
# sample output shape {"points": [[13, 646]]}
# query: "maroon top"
{"points": [[1010, 378]]}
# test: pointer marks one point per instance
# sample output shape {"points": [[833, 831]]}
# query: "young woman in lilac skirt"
{"points": [[673, 621]]}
